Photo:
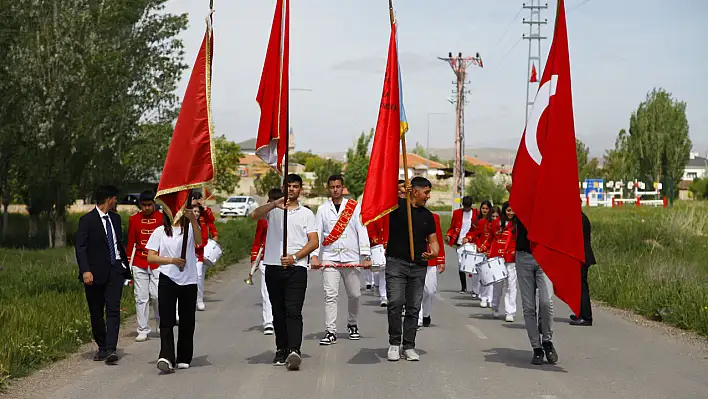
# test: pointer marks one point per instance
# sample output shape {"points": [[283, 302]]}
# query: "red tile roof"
{"points": [[415, 160]]}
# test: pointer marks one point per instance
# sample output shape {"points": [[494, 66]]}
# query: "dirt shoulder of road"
{"points": [[62, 372]]}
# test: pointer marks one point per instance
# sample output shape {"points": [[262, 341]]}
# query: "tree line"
{"points": [[89, 98]]}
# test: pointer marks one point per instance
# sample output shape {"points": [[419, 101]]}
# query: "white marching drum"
{"points": [[212, 253], [492, 271], [378, 256], [471, 261]]}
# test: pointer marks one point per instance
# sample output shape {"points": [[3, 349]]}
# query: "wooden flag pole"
{"points": [[286, 158], [405, 155]]}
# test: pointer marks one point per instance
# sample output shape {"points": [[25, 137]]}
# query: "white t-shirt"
{"points": [[171, 247], [301, 221], [466, 226]]}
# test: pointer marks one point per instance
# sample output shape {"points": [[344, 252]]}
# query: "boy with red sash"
{"points": [[502, 244], [145, 276], [258, 248], [462, 220], [435, 266], [344, 243]]}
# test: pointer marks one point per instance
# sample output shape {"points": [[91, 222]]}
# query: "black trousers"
{"points": [[404, 286], [463, 281], [169, 293], [585, 306], [106, 297], [286, 289]]}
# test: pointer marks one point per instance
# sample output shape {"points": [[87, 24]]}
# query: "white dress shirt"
{"points": [[301, 222], [354, 241], [113, 229], [466, 225]]}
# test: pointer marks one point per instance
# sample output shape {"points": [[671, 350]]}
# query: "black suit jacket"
{"points": [[589, 255], [92, 253]]}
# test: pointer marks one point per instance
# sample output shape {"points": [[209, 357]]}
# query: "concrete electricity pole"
{"points": [[534, 58], [459, 67]]}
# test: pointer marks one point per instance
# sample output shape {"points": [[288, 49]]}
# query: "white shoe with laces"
{"points": [[142, 337], [164, 365], [394, 353], [411, 355], [200, 306], [509, 318]]}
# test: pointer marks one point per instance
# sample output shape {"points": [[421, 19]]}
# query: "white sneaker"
{"points": [[411, 355], [164, 365], [268, 330], [394, 353], [200, 306], [142, 337], [483, 304], [183, 366], [509, 318]]}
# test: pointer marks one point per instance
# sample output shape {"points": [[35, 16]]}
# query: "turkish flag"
{"points": [[546, 163], [190, 160], [534, 74], [272, 142]]}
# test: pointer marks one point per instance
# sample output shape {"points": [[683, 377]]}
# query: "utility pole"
{"points": [[534, 57], [459, 66]]}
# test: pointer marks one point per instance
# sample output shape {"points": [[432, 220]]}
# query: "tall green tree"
{"points": [[267, 182], [482, 186], [658, 139], [358, 164], [588, 168], [618, 162], [227, 159]]}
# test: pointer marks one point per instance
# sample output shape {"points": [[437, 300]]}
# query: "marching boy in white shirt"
{"points": [[343, 243]]}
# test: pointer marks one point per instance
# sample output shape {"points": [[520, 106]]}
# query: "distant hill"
{"points": [[495, 156]]}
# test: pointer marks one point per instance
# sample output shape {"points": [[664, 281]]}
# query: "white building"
{"points": [[696, 167]]}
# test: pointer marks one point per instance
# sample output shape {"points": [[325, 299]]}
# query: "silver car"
{"points": [[238, 206]]}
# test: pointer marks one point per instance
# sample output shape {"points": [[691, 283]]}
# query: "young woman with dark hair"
{"points": [[502, 244], [478, 235]]}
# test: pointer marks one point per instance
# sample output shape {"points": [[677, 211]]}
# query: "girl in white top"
{"points": [[178, 283]]}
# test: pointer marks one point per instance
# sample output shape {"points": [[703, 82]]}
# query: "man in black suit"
{"points": [[103, 267], [585, 316]]}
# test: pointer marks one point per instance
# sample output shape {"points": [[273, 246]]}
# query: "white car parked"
{"points": [[238, 206]]}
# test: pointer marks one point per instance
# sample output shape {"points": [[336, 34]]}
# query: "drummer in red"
{"points": [[145, 276], [502, 243], [461, 223], [479, 235], [206, 222]]}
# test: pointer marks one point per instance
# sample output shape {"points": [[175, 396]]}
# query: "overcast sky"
{"points": [[620, 50]]}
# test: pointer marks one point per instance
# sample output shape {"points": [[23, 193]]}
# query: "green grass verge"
{"points": [[43, 311], [652, 261]]}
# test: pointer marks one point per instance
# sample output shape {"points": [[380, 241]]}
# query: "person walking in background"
{"points": [[479, 235], [460, 225], [145, 275], [405, 276], [178, 284], [435, 266], [206, 222], [503, 245], [259, 242], [103, 267], [286, 276], [199, 250], [585, 316]]}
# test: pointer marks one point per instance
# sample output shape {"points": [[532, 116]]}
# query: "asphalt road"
{"points": [[465, 354]]}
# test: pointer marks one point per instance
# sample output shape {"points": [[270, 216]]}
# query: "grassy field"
{"points": [[43, 311], [652, 261]]}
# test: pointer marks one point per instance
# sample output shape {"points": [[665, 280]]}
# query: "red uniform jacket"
{"points": [[205, 239], [140, 228], [502, 243], [207, 219], [440, 260], [453, 233], [479, 235], [378, 232], [259, 240]]}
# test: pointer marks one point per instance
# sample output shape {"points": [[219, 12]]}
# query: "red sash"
{"points": [[341, 224]]}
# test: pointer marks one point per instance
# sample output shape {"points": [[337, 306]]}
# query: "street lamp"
{"points": [[427, 144]]}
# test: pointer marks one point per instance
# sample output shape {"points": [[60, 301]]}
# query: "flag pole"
{"points": [[405, 152], [286, 158]]}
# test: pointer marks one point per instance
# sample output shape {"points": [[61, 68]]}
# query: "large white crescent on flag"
{"points": [[543, 98]]}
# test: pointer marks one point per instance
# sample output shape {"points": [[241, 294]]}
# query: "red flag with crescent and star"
{"points": [[190, 157], [534, 74], [546, 162]]}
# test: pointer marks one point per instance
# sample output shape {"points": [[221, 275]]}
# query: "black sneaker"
{"points": [[111, 358], [368, 287], [551, 354], [426, 321], [537, 356], [100, 356], [280, 356], [329, 338], [353, 332], [293, 361]]}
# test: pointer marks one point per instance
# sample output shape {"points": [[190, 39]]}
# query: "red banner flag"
{"points": [[381, 188], [272, 142], [534, 74], [190, 157], [546, 160]]}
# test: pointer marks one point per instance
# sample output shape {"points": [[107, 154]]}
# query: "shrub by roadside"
{"points": [[43, 311]]}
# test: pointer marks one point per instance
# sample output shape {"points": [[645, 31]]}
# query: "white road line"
{"points": [[476, 331]]}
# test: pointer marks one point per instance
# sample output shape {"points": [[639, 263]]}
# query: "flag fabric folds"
{"points": [[272, 143], [190, 157], [534, 74], [546, 160], [380, 190]]}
